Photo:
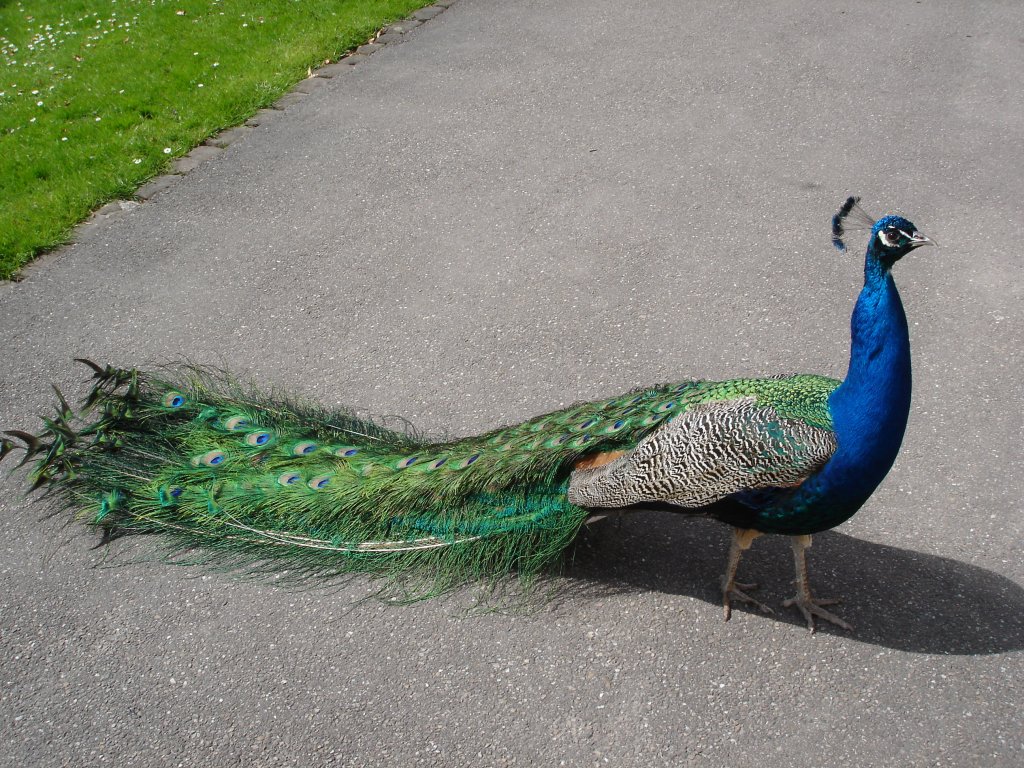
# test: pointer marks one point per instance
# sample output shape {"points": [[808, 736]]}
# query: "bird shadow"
{"points": [[894, 597]]}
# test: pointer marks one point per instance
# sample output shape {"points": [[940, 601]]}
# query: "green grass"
{"points": [[96, 96]]}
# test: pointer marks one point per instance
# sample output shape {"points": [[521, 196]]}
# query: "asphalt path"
{"points": [[522, 205]]}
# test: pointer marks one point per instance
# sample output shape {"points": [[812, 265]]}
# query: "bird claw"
{"points": [[736, 592], [811, 607]]}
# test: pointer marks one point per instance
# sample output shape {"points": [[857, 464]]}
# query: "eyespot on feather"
{"points": [[257, 439], [173, 400], [288, 478], [169, 495], [407, 462], [210, 459], [319, 482], [614, 427], [463, 463], [467, 461], [304, 448], [346, 451], [236, 423]]}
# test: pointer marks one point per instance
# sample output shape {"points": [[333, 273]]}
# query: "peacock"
{"points": [[267, 483]]}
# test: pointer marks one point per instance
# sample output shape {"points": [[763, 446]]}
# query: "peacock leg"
{"points": [[742, 538], [809, 606]]}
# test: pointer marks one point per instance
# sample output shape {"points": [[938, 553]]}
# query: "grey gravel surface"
{"points": [[521, 205]]}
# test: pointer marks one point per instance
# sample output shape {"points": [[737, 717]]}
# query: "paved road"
{"points": [[522, 205]]}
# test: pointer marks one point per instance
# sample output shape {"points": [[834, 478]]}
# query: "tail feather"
{"points": [[263, 482]]}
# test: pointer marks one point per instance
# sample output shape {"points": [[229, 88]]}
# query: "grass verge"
{"points": [[96, 96]]}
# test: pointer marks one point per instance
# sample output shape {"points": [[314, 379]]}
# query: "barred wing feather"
{"points": [[708, 452]]}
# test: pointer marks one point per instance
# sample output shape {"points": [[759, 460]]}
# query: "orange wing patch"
{"points": [[595, 460]]}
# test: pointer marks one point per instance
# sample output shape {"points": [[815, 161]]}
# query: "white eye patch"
{"points": [[891, 237]]}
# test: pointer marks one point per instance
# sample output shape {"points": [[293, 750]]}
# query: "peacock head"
{"points": [[892, 237]]}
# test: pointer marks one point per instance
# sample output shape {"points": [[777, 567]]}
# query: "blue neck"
{"points": [[870, 408], [869, 415]]}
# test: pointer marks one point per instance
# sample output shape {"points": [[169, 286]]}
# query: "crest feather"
{"points": [[850, 216]]}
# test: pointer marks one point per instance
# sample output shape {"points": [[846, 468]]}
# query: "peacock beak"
{"points": [[917, 240]]}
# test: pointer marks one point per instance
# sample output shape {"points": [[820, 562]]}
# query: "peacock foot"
{"points": [[738, 591], [811, 607], [742, 538]]}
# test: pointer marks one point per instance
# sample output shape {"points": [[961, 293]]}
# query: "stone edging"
{"points": [[389, 35]]}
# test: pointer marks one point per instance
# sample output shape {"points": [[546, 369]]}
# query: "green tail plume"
{"points": [[258, 481]]}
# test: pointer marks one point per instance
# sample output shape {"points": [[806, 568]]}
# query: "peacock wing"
{"points": [[708, 452]]}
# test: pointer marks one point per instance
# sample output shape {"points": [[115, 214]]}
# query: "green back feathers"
{"points": [[254, 479]]}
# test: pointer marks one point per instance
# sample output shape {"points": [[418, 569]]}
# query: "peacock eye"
{"points": [[892, 235]]}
